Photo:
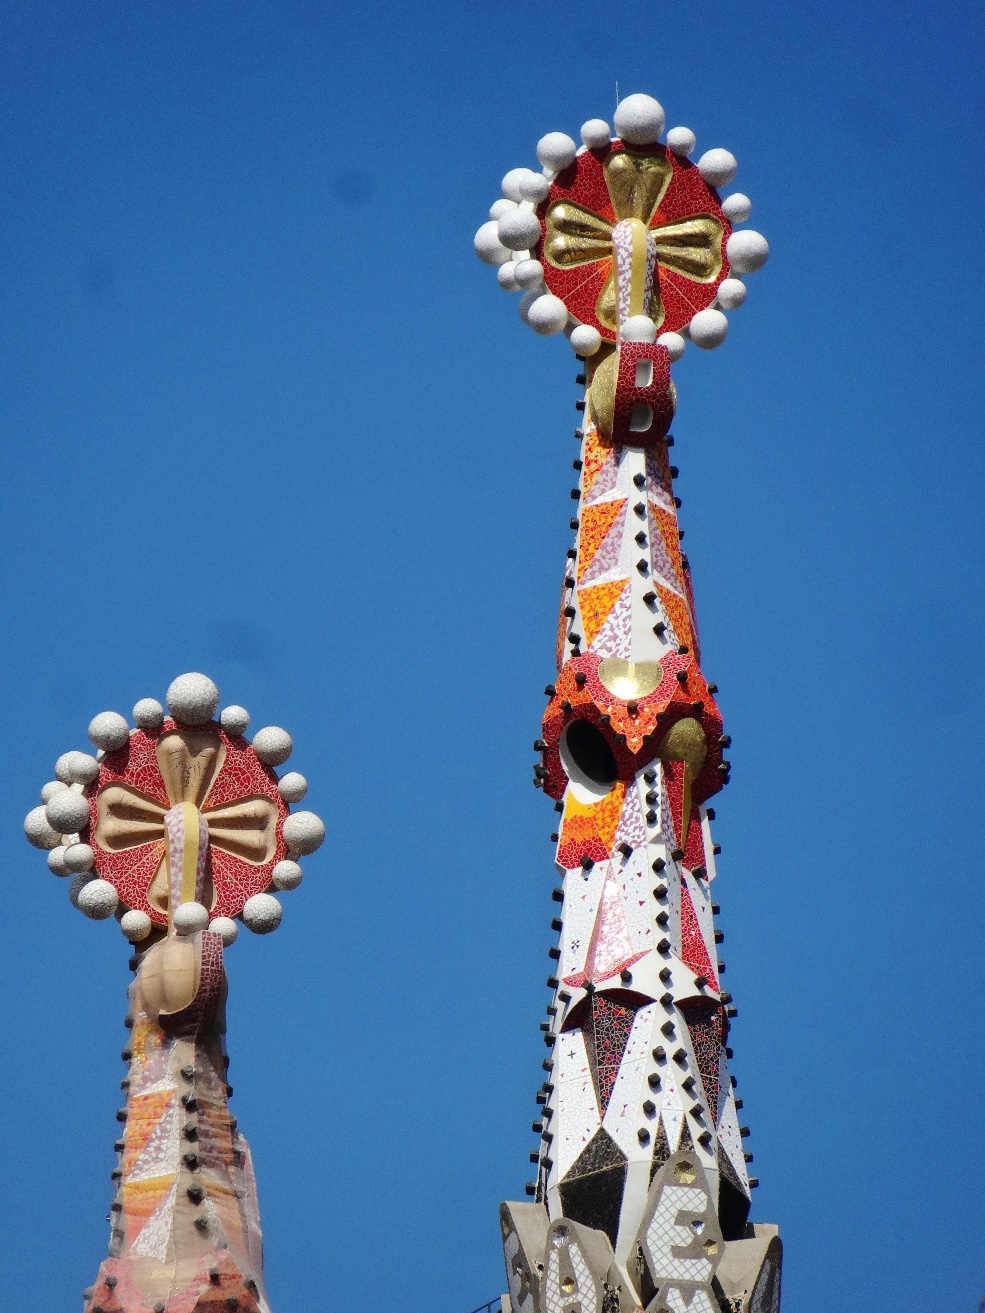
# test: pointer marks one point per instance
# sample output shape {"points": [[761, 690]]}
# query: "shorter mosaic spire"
{"points": [[180, 828]]}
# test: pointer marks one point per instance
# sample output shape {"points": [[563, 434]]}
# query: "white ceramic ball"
{"points": [[596, 134], [77, 884], [272, 745], [681, 141], [511, 184], [535, 188], [547, 315], [189, 918], [286, 875], [506, 277], [193, 698], [708, 329], [68, 812], [529, 274], [136, 925], [39, 831], [292, 787], [737, 207], [487, 245], [76, 767], [639, 120], [97, 899], [235, 720], [304, 832], [148, 714], [747, 251], [79, 857], [585, 340], [109, 731], [56, 861], [226, 928], [718, 167], [556, 151], [262, 913], [51, 788], [501, 207], [520, 229], [731, 293], [674, 343], [526, 301], [638, 328]]}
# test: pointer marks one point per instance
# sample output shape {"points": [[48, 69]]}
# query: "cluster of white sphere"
{"points": [[512, 231], [55, 825]]}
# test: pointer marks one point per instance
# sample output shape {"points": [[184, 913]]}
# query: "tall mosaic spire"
{"points": [[642, 1195], [180, 828]]}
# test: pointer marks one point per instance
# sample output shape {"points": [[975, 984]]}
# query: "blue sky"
{"points": [[264, 415]]}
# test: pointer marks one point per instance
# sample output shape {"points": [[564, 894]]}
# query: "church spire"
{"points": [[642, 1195], [180, 828]]}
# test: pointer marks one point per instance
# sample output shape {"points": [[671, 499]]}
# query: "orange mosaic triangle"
{"points": [[596, 521], [677, 613], [143, 1116], [594, 456], [595, 602], [667, 524]]}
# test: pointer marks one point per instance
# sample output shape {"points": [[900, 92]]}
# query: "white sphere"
{"points": [[67, 812], [585, 340], [681, 141], [487, 245], [526, 301], [76, 768], [674, 343], [534, 188], [520, 229], [511, 184], [529, 274], [79, 857], [506, 277], [639, 120], [148, 714], [193, 699], [97, 899], [226, 928], [595, 134], [51, 788], [304, 832], [77, 884], [56, 861], [718, 167], [501, 207], [747, 251], [235, 720], [737, 207], [39, 831], [731, 293], [109, 731], [708, 329], [272, 745], [136, 925], [556, 151], [292, 787], [286, 875], [189, 918], [547, 315], [638, 328], [262, 913]]}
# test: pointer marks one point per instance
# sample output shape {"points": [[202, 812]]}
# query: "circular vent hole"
{"points": [[587, 757]]}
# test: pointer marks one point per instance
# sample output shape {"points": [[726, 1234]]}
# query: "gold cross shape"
{"points": [[636, 184]]}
